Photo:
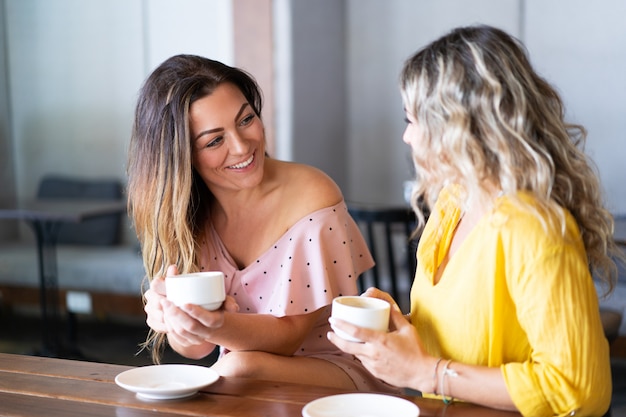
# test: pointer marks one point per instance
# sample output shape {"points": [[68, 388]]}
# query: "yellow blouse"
{"points": [[518, 297]]}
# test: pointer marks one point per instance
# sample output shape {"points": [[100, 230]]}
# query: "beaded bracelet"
{"points": [[451, 372], [435, 376]]}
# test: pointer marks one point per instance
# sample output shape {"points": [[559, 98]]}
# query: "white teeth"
{"points": [[243, 164]]}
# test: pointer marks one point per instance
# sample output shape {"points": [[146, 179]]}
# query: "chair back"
{"points": [[101, 231], [387, 231]]}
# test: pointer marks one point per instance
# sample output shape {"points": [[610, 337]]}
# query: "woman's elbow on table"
{"points": [[195, 352]]}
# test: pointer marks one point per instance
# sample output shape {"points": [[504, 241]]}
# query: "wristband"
{"points": [[435, 376], [447, 372]]}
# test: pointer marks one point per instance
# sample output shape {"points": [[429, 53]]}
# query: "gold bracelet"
{"points": [[451, 372], [435, 376]]}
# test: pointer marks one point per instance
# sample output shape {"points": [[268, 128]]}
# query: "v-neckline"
{"points": [[443, 256]]}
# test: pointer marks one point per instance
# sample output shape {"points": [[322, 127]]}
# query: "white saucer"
{"points": [[360, 404], [166, 382]]}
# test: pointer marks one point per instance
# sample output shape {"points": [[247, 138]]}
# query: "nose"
{"points": [[238, 145], [406, 136]]}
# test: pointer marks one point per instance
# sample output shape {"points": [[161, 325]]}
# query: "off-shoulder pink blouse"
{"points": [[320, 257]]}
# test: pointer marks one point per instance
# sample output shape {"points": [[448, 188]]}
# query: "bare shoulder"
{"points": [[309, 188]]}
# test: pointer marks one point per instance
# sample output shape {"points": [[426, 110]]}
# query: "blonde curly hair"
{"points": [[488, 117]]}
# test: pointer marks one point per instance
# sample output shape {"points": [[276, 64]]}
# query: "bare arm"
{"points": [[193, 331]]}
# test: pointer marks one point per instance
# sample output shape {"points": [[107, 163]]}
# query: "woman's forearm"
{"points": [[263, 332], [475, 384], [191, 351]]}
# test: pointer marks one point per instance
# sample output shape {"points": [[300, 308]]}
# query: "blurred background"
{"points": [[70, 71]]}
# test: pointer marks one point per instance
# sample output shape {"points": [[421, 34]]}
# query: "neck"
{"points": [[477, 205]]}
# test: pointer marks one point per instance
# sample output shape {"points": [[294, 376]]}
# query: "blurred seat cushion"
{"points": [[108, 269]]}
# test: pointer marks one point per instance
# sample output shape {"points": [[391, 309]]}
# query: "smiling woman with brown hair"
{"points": [[204, 196]]}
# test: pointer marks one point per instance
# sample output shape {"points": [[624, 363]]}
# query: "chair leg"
{"points": [[72, 332], [372, 245], [392, 264]]}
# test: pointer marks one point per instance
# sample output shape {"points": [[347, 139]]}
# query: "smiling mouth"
{"points": [[243, 164]]}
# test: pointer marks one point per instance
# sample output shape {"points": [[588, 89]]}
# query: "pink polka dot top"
{"points": [[320, 257]]}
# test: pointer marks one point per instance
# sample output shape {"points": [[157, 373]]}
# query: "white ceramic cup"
{"points": [[205, 289], [369, 312]]}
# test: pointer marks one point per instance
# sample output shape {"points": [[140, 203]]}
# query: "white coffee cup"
{"points": [[369, 312], [205, 289]]}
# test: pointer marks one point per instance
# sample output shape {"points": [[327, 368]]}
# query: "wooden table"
{"points": [[37, 386], [45, 216]]}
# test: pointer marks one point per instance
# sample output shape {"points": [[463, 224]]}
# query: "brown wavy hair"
{"points": [[167, 199]]}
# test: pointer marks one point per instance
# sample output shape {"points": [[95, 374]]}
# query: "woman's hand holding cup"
{"points": [[367, 312], [205, 289]]}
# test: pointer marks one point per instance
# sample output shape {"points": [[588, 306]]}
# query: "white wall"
{"points": [[201, 27], [75, 68], [7, 188], [381, 35], [310, 44], [581, 49]]}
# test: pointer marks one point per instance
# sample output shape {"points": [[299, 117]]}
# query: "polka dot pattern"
{"points": [[317, 259]]}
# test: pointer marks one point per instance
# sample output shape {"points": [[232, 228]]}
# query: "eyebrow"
{"points": [[218, 129]]}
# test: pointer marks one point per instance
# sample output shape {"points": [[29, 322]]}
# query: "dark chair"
{"points": [[102, 231], [611, 321], [388, 230]]}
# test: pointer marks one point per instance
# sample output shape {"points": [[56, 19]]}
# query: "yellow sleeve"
{"points": [[557, 306]]}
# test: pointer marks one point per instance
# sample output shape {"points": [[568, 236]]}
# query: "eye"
{"points": [[214, 142], [247, 120]]}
